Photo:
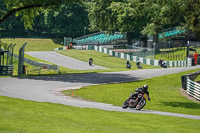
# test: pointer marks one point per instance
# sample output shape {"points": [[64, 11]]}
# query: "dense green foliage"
{"points": [[191, 10], [136, 17], [146, 16], [29, 9], [67, 20]]}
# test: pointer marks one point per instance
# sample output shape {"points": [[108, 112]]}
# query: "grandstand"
{"points": [[171, 33], [99, 38]]}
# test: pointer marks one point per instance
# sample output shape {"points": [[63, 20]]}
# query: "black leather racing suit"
{"points": [[140, 90]]}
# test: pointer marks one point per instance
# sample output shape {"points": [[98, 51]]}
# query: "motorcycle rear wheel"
{"points": [[141, 104]]}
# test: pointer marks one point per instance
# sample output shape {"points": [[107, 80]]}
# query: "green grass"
{"points": [[164, 92], [33, 44], [26, 116], [113, 63], [175, 51], [197, 78], [32, 70], [102, 59]]}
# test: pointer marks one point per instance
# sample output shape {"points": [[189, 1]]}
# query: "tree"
{"points": [[100, 15], [129, 17], [68, 20], [161, 14], [29, 9], [191, 11], [113, 15], [147, 17]]}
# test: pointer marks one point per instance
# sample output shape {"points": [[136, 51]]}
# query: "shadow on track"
{"points": [[94, 78]]}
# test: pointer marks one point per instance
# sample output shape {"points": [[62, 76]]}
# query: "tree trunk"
{"points": [[155, 37], [144, 39], [129, 38]]}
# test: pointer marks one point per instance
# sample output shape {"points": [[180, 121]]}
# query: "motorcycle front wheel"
{"points": [[125, 104], [141, 104]]}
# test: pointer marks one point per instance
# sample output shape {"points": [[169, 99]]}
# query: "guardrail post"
{"points": [[184, 82], [21, 60]]}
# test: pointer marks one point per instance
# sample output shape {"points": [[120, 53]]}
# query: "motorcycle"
{"points": [[137, 102], [162, 63], [90, 63], [128, 66], [139, 65]]}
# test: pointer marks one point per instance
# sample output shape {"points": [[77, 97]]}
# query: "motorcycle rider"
{"points": [[128, 64], [90, 61], [139, 90], [162, 63], [139, 64]]}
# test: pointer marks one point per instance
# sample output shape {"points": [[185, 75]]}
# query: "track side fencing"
{"points": [[183, 63], [40, 65], [192, 88]]}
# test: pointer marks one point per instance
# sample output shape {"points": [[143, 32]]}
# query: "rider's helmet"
{"points": [[145, 87]]}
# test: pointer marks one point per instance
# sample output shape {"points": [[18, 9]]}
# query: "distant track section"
{"points": [[62, 60]]}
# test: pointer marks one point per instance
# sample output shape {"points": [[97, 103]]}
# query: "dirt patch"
{"points": [[184, 93]]}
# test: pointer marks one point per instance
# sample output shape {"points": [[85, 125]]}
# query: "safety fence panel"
{"points": [[193, 89], [141, 59], [40, 65], [181, 63]]}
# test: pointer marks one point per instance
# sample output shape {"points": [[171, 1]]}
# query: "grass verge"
{"points": [[33, 44], [164, 92], [26, 116], [102, 59]]}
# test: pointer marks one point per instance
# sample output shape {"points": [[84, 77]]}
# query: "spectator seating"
{"points": [[99, 38], [171, 33]]}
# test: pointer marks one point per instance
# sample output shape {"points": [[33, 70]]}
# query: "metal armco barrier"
{"points": [[6, 70], [39, 64], [192, 88]]}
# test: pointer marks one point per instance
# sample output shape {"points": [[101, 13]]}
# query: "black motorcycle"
{"points": [[162, 63], [128, 66], [137, 102], [90, 61], [139, 65]]}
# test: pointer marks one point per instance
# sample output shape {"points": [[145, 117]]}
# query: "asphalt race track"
{"points": [[48, 88], [61, 60]]}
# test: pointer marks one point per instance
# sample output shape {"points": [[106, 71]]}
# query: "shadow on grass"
{"points": [[57, 41], [183, 105]]}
